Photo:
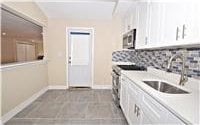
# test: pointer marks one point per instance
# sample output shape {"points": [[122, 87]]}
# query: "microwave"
{"points": [[129, 39]]}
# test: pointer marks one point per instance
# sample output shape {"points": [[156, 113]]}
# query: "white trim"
{"points": [[57, 87], [67, 54], [16, 65], [102, 87], [23, 105], [1, 123]]}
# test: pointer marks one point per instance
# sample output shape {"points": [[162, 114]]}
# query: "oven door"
{"points": [[115, 80], [115, 87]]}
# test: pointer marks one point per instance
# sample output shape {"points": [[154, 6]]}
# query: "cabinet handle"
{"points": [[183, 33], [69, 61], [146, 40], [138, 112], [177, 33], [135, 109]]}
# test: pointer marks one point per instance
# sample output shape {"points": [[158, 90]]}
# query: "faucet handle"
{"points": [[184, 80]]}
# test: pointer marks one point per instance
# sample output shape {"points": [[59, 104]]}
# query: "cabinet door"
{"points": [[134, 111], [124, 96], [153, 109], [146, 120], [190, 29], [142, 29], [133, 14], [126, 23], [173, 18], [155, 16]]}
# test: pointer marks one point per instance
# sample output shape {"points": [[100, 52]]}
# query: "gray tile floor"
{"points": [[71, 107]]}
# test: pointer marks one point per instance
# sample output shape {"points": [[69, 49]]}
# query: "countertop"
{"points": [[184, 106]]}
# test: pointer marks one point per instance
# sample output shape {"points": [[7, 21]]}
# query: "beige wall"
{"points": [[106, 39], [20, 83], [0, 75], [0, 95]]}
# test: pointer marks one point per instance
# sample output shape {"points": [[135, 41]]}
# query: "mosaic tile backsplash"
{"points": [[159, 59]]}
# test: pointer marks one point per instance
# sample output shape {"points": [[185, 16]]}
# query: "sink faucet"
{"points": [[183, 78]]}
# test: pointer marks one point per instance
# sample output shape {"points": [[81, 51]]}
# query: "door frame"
{"points": [[67, 54]]}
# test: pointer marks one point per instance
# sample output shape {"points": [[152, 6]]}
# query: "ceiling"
{"points": [[83, 9]]}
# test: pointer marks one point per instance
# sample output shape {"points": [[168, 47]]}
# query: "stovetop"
{"points": [[131, 67], [118, 68]]}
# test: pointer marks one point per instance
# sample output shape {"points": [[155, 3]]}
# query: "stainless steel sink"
{"points": [[165, 87]]}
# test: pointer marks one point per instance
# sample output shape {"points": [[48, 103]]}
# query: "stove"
{"points": [[118, 68], [116, 83], [131, 67]]}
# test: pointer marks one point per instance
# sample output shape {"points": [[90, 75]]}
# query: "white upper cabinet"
{"points": [[171, 23], [130, 19], [190, 25], [165, 24], [179, 24], [154, 24], [142, 25]]}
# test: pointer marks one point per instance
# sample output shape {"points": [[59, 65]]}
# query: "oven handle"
{"points": [[114, 73]]}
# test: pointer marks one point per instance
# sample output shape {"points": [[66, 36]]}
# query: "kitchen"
{"points": [[138, 62]]}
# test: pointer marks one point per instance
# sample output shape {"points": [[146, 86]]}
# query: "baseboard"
{"points": [[102, 87], [57, 87], [1, 123], [23, 105]]}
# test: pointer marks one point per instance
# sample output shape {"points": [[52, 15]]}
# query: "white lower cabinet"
{"points": [[134, 112], [171, 119], [140, 108], [124, 96]]}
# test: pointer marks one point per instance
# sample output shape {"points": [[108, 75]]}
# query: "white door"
{"points": [[80, 57], [21, 52], [25, 52], [30, 52]]}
